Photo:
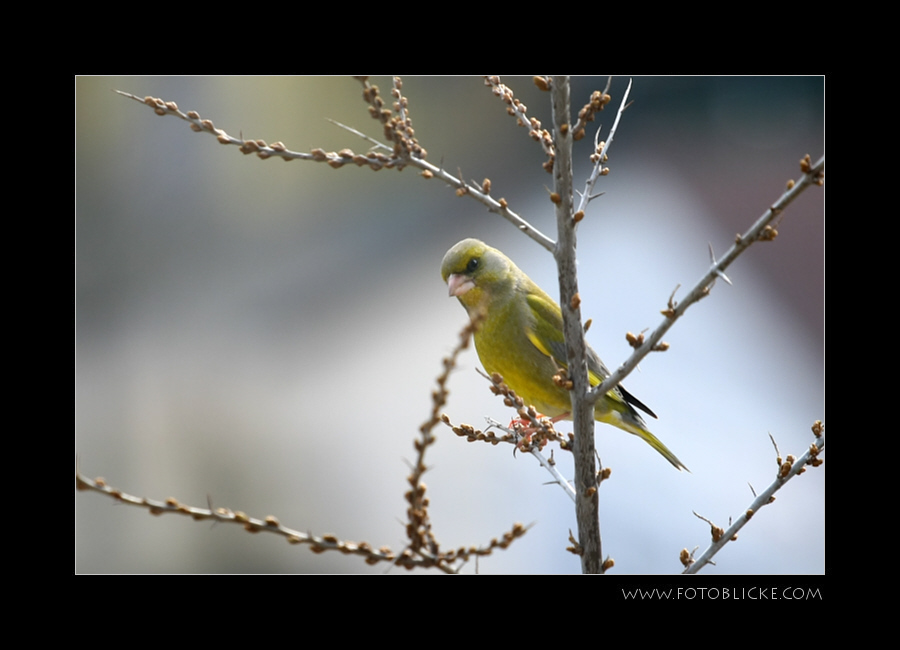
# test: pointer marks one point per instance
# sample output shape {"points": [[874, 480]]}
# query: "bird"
{"points": [[520, 336]]}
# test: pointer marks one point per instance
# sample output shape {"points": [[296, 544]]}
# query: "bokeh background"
{"points": [[268, 334]]}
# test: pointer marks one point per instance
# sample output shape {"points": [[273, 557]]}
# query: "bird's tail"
{"points": [[628, 420], [655, 442]]}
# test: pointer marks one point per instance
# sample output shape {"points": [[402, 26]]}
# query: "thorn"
{"points": [[670, 311], [712, 260]]}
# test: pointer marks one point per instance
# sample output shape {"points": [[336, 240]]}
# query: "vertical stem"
{"points": [[586, 500]]}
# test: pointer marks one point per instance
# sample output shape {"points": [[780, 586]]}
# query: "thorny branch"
{"points": [[423, 550], [529, 434], [762, 230], [584, 449], [601, 148], [517, 109], [406, 151], [787, 469], [418, 528]]}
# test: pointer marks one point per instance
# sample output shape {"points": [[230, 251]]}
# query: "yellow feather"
{"points": [[521, 338]]}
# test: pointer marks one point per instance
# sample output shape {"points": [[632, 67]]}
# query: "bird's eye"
{"points": [[472, 265]]}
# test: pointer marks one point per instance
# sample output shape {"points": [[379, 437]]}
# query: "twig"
{"points": [[446, 561], [785, 473], [517, 109], [559, 479], [276, 149], [759, 231], [599, 100], [514, 438], [600, 154], [270, 524], [398, 159], [367, 138], [423, 550]]}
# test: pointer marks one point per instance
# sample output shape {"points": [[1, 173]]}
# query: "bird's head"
{"points": [[476, 273]]}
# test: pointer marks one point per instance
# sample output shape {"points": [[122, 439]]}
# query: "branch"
{"points": [[401, 156], [598, 102], [786, 471], [600, 153], [586, 501], [448, 562], [514, 438], [422, 542], [517, 109], [406, 152], [530, 433], [762, 230], [423, 551], [270, 524]]}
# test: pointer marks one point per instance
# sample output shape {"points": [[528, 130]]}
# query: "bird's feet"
{"points": [[526, 428]]}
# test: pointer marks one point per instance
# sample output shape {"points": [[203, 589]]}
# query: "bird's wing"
{"points": [[545, 327], [546, 334]]}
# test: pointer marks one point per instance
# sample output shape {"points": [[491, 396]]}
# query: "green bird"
{"points": [[521, 338]]}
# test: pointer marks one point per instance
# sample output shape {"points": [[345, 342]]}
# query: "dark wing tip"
{"points": [[635, 402]]}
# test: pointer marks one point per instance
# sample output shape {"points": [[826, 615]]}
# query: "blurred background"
{"points": [[268, 334]]}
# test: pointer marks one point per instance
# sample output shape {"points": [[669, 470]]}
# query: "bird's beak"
{"points": [[459, 284]]}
